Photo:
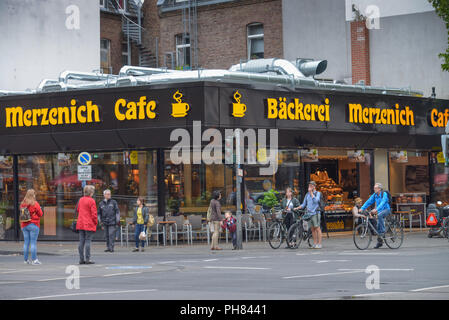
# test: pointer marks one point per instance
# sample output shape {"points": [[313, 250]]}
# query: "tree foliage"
{"points": [[442, 10]]}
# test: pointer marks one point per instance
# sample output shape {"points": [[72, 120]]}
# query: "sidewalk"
{"points": [[336, 241]]}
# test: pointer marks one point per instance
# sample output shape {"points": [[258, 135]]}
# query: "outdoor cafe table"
{"points": [[164, 225]]}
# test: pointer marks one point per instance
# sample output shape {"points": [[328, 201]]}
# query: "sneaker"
{"points": [[27, 262], [378, 245], [82, 262], [142, 250], [313, 246], [318, 246], [135, 249], [107, 250], [36, 262], [89, 262]]}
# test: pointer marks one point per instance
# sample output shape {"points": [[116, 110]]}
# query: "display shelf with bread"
{"points": [[335, 199]]}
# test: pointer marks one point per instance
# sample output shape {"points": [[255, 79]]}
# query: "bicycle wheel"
{"points": [[294, 235], [445, 227], [275, 235], [309, 238], [362, 237], [394, 235]]}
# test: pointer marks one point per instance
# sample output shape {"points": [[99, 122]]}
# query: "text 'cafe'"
{"points": [[345, 141]]}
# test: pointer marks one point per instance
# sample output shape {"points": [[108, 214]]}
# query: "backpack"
{"points": [[390, 200], [25, 215]]}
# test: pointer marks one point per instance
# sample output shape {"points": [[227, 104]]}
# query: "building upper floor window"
{"points": [[182, 51], [123, 5], [125, 54], [255, 41], [103, 4], [105, 56]]}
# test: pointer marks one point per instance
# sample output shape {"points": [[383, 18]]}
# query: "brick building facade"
{"points": [[222, 30], [111, 29]]}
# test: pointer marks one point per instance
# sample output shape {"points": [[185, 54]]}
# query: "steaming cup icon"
{"points": [[238, 109], [179, 109]]}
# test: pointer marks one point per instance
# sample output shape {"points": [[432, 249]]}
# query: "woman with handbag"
{"points": [[87, 223], [140, 220], [31, 214], [216, 219]]}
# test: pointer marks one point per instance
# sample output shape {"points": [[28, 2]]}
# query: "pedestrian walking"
{"points": [[87, 223], [230, 223], [140, 220], [312, 204], [109, 219], [215, 219], [289, 205], [382, 201], [30, 226]]}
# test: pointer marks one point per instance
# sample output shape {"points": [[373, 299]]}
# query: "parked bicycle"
{"points": [[297, 233], [277, 231], [394, 233]]}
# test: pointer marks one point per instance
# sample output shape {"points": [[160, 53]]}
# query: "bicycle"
{"points": [[296, 233], [277, 230], [394, 233]]}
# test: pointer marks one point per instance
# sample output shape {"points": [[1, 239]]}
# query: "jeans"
{"points": [[139, 228], [30, 234], [234, 238], [84, 245], [110, 232], [380, 220], [289, 219]]}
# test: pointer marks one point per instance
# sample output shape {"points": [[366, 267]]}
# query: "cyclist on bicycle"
{"points": [[382, 210], [289, 205]]}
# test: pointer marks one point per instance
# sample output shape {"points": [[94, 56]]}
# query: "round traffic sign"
{"points": [[84, 158]]}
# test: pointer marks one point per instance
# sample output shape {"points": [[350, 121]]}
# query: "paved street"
{"points": [[418, 270]]}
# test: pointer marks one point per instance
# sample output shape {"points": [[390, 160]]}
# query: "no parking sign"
{"points": [[84, 158]]}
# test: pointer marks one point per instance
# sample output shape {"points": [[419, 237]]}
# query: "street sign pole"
{"points": [[238, 180]]}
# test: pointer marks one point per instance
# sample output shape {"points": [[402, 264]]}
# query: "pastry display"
{"points": [[332, 193]]}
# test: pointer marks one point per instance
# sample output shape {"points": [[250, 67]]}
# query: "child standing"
{"points": [[230, 223]]}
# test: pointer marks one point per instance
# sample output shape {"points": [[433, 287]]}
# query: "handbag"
{"points": [[75, 220], [25, 215], [143, 235], [307, 216], [150, 220]]}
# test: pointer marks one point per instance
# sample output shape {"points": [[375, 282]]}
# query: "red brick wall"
{"points": [[360, 52], [222, 31], [111, 29]]}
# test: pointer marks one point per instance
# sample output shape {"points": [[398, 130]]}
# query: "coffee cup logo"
{"points": [[179, 109], [238, 109]]}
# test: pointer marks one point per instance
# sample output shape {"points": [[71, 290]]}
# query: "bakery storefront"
{"points": [[345, 141]]}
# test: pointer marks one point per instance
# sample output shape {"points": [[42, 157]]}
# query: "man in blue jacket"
{"points": [[382, 209]]}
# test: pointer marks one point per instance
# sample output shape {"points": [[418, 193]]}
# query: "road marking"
{"points": [[129, 267], [376, 294], [120, 274], [357, 253], [10, 282], [210, 260], [321, 261], [378, 269], [249, 257], [429, 288], [164, 262], [15, 271], [241, 268], [321, 274], [86, 293]]}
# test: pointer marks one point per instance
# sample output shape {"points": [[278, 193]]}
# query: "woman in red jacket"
{"points": [[30, 228], [87, 223]]}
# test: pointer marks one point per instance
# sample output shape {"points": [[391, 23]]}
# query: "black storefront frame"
{"points": [[214, 100]]}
